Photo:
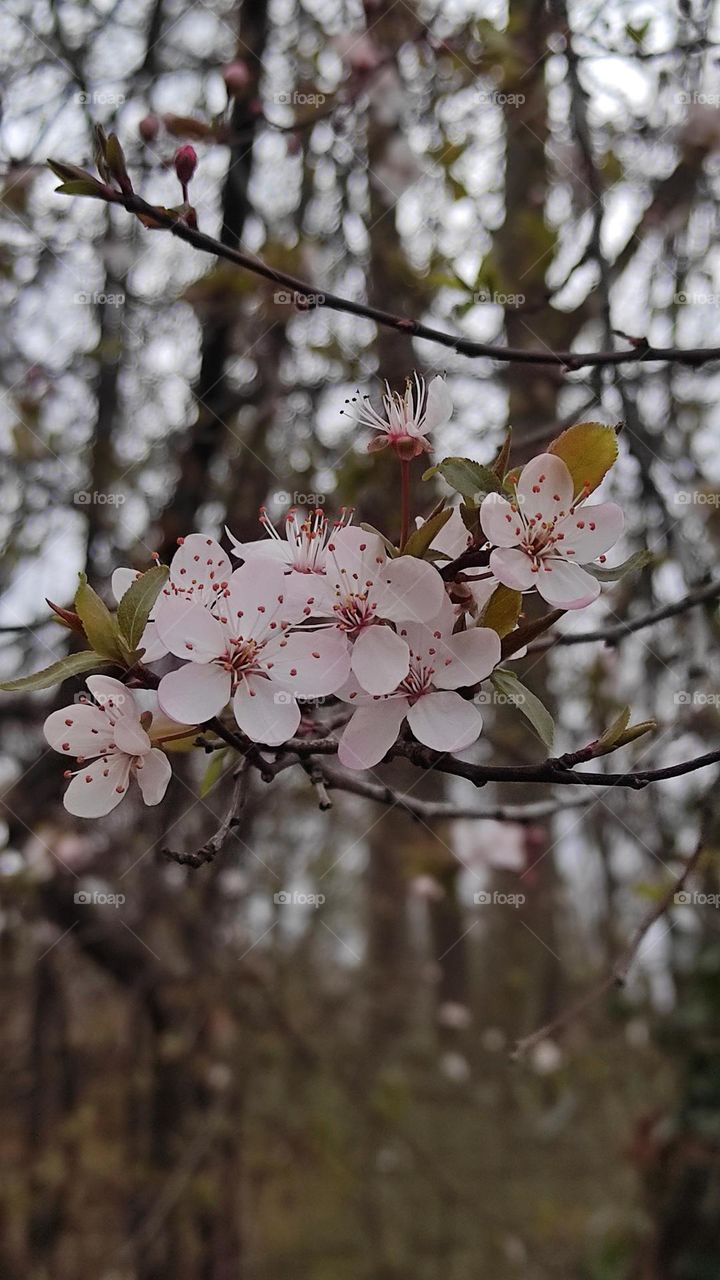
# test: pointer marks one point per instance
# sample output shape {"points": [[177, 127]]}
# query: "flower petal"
{"points": [[408, 590], [445, 721], [513, 567], [98, 787], [545, 488], [152, 644], [265, 712], [79, 730], [189, 630], [590, 532], [439, 405], [130, 737], [501, 524], [467, 658], [371, 732], [152, 776], [311, 664], [256, 598], [121, 580], [380, 659], [264, 549], [565, 585], [195, 693], [199, 564]]}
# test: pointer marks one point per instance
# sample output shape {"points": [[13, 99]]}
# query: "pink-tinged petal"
{"points": [[98, 787], [545, 488], [111, 693], [590, 532], [513, 568], [130, 737], [408, 590], [353, 556], [445, 721], [194, 693], [453, 538], [501, 524], [188, 629], [152, 644], [121, 580], [311, 664], [380, 660], [162, 726], [264, 549], [200, 563], [79, 730], [152, 775], [257, 597], [566, 586], [439, 407], [467, 658], [371, 732], [265, 712], [481, 591]]}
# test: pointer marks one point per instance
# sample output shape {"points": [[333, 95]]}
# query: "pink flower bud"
{"points": [[148, 128], [185, 165], [237, 78]]}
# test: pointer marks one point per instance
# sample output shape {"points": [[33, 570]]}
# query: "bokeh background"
{"points": [[200, 1082]]}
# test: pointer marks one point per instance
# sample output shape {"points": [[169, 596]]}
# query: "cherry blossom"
{"points": [[239, 645], [440, 664], [360, 589], [408, 418], [303, 550], [543, 538], [112, 746]]}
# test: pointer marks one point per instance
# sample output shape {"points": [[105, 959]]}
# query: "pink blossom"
{"points": [[406, 419], [238, 644], [542, 538], [440, 664], [302, 551], [360, 589], [111, 746]]}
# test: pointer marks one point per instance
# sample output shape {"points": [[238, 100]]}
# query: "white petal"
{"points": [[256, 598], [380, 659], [565, 585], [188, 629], [591, 531], [130, 736], [481, 591], [353, 558], [200, 563], [101, 794], [445, 721], [79, 730], [408, 590], [513, 568], [311, 664], [467, 658], [545, 488], [152, 644], [501, 524], [195, 693], [453, 538], [265, 712], [152, 776], [264, 549], [371, 732], [439, 405], [121, 580], [111, 693]]}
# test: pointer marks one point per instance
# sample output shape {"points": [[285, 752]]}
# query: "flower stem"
{"points": [[404, 501]]}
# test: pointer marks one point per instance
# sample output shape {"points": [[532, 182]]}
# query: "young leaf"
{"points": [[618, 571], [502, 610], [75, 664], [135, 607], [588, 450], [215, 769], [468, 478], [530, 631], [420, 539], [499, 466], [99, 623], [615, 731], [507, 683]]}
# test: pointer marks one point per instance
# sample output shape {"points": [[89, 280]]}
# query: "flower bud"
{"points": [[237, 78], [149, 128], [185, 164]]}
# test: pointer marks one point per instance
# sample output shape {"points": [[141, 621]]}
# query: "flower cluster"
{"points": [[399, 637]]}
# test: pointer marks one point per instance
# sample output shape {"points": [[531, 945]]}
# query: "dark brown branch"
{"points": [[215, 845], [612, 634]]}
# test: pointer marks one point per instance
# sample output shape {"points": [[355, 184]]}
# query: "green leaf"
{"points": [[507, 683], [588, 450], [75, 664], [70, 172], [615, 731], [99, 623], [502, 610], [80, 187], [618, 571], [214, 771], [468, 478], [136, 605], [420, 539], [499, 466]]}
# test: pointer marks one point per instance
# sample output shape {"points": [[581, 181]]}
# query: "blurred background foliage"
{"points": [[203, 1083]]}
